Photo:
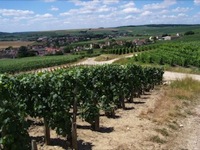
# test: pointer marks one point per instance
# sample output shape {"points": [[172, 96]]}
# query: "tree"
{"points": [[67, 49], [120, 51], [189, 33], [23, 52], [161, 62], [90, 51], [9, 48]]}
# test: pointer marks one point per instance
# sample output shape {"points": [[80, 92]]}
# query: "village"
{"points": [[44, 46]]}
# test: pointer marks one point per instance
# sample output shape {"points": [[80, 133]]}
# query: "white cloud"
{"points": [[86, 3], [164, 11], [99, 13], [182, 15], [66, 22], [128, 5], [131, 10], [104, 8], [197, 2], [49, 1], [162, 5], [53, 8], [47, 15], [146, 13], [14, 12], [89, 7], [42, 17], [181, 9], [108, 2], [129, 17]]}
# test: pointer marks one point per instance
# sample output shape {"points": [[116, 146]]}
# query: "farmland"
{"points": [[184, 54], [134, 31], [14, 44], [52, 96], [30, 63], [121, 106]]}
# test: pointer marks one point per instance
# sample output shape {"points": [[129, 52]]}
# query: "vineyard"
{"points": [[127, 50], [60, 96], [175, 54], [30, 63]]}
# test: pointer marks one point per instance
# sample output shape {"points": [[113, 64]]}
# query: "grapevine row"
{"points": [[184, 54], [59, 96]]}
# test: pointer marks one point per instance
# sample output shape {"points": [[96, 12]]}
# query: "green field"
{"points": [[181, 55], [141, 30], [30, 63]]}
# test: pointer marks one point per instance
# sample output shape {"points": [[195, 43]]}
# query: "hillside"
{"points": [[132, 30]]}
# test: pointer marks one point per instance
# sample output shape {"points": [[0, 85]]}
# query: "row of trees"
{"points": [[59, 96]]}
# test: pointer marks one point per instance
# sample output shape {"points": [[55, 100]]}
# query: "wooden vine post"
{"points": [[132, 96], [121, 99], [33, 145], [46, 132], [74, 126], [95, 123]]}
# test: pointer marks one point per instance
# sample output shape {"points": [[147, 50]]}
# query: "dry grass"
{"points": [[157, 139], [175, 101], [106, 57], [14, 44], [163, 131]]}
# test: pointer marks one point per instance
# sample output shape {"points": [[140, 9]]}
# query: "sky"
{"points": [[45, 15]]}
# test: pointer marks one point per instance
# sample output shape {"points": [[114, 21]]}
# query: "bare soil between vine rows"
{"points": [[127, 131]]}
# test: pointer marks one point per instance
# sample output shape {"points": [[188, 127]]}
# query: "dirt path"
{"points": [[168, 76], [174, 75], [91, 61], [189, 136], [128, 131]]}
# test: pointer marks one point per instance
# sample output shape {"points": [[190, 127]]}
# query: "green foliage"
{"points": [[90, 51], [13, 128], [67, 49], [189, 33], [50, 95], [30, 63], [173, 53], [24, 52]]}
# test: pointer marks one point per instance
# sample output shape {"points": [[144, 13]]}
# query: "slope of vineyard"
{"points": [[181, 54], [59, 96]]}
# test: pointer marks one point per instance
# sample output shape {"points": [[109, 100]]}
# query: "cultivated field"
{"points": [[30, 63], [15, 44]]}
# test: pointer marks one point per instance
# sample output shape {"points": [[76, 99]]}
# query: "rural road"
{"points": [[167, 75], [189, 136]]}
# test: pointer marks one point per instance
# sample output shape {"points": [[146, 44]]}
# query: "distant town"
{"points": [[69, 43]]}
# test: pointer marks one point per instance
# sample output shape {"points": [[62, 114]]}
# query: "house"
{"points": [[11, 53], [167, 38], [152, 38], [139, 42], [42, 39], [50, 50], [120, 43], [170, 37], [94, 45], [78, 48]]}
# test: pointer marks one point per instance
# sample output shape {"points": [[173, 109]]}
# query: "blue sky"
{"points": [[40, 15]]}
